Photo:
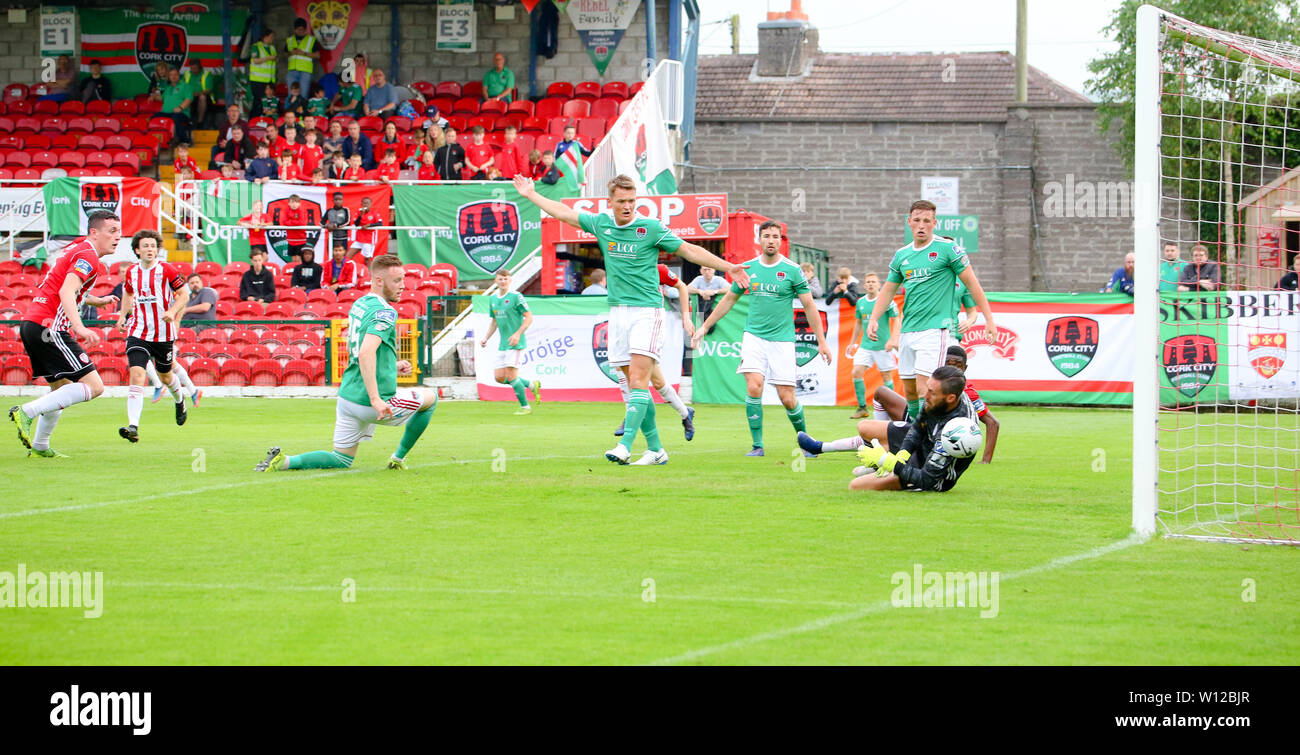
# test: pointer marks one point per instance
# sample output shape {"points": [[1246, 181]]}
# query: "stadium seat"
{"points": [[186, 334], [371, 123], [124, 107], [165, 125], [347, 296], [521, 106], [49, 174], [15, 93], [72, 159], [278, 309], [236, 371], [512, 119], [254, 351], [191, 350], [444, 89], [549, 107], [265, 372], [298, 372], [562, 89], [402, 123], [634, 88], [556, 126], [83, 142], [82, 125], [213, 336], [322, 295], [97, 107], [587, 90], [14, 347], [17, 369], [38, 90], [21, 107], [614, 89], [54, 125], [338, 312], [488, 122], [447, 270], [204, 371], [45, 107], [495, 107], [148, 107], [226, 307], [27, 174], [109, 173], [576, 109], [408, 309], [286, 354], [113, 370], [466, 106], [444, 104], [249, 310], [115, 141], [533, 125], [208, 269], [44, 160], [236, 268], [289, 294], [38, 142], [426, 88], [591, 130], [605, 107], [472, 89], [24, 125], [128, 161], [10, 267], [107, 124], [99, 159], [547, 142]]}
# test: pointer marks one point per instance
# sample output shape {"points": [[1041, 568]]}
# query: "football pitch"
{"points": [[511, 540]]}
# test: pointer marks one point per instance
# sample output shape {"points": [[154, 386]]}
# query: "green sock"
{"points": [[796, 417], [754, 412], [914, 409], [889, 383], [414, 429], [860, 388], [636, 411], [648, 426], [319, 460], [520, 385]]}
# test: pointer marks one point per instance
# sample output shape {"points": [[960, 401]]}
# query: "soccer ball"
{"points": [[807, 384], [961, 438]]}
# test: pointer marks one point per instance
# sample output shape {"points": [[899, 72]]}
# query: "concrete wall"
{"points": [[859, 179]]}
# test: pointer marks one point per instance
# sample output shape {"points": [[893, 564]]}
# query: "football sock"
{"points": [[186, 384], [59, 398], [174, 388], [796, 417], [152, 373], [44, 428], [754, 413], [889, 383], [860, 389], [521, 391], [880, 412], [319, 460], [622, 386], [914, 409], [671, 397], [648, 426], [637, 408], [843, 444], [414, 429], [134, 404]]}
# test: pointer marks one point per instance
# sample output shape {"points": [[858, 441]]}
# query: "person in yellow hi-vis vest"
{"points": [[203, 84], [261, 69], [303, 51]]}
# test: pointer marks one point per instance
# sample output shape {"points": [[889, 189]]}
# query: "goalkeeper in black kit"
{"points": [[922, 461]]}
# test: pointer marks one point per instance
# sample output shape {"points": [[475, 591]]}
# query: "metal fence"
{"points": [[820, 259]]}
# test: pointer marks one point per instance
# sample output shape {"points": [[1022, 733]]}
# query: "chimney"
{"points": [[786, 42]]}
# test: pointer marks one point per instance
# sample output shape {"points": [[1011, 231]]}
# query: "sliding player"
{"points": [[657, 379], [510, 314], [767, 349], [51, 327], [154, 295], [368, 393], [877, 352], [928, 268], [631, 244]]}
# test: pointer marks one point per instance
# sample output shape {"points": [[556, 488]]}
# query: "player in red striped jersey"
{"points": [[154, 295], [51, 327], [657, 379], [366, 237], [891, 434]]}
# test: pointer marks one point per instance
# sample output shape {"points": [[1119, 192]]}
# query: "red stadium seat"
{"points": [[350, 295], [236, 372], [249, 310], [15, 93], [116, 141], [17, 369], [109, 173], [191, 350], [605, 107], [472, 89], [97, 107], [488, 122], [45, 107], [254, 351], [549, 107], [286, 354], [128, 161], [300, 372], [38, 142], [314, 310], [576, 109], [165, 125], [21, 107], [265, 372], [54, 124], [205, 371], [556, 126], [226, 307], [512, 119], [591, 130], [27, 174], [338, 312], [27, 125], [147, 107], [124, 107], [308, 343], [98, 160], [496, 107], [213, 336], [72, 160], [444, 104], [446, 270], [83, 142], [371, 123], [208, 268], [587, 90], [73, 107], [113, 370], [289, 294], [402, 123], [409, 309], [236, 268], [106, 124], [44, 159], [534, 126], [444, 89], [82, 125], [614, 89], [547, 142], [322, 295], [466, 106], [278, 309], [426, 88], [521, 106], [562, 89]]}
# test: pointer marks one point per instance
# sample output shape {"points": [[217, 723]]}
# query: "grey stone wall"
{"points": [[858, 179]]}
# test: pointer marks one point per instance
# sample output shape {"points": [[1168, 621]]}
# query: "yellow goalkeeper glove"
{"points": [[889, 461], [872, 454]]}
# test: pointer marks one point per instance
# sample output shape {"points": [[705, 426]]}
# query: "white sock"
{"points": [[178, 394], [184, 376], [59, 398], [843, 444], [152, 372], [622, 387], [879, 411], [671, 397], [134, 404], [44, 427]]}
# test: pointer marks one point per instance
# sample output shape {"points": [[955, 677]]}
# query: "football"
{"points": [[961, 438]]}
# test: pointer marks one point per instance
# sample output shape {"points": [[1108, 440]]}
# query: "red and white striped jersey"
{"points": [[154, 291], [80, 258]]}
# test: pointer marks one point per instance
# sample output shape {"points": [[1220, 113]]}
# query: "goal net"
{"points": [[1217, 223]]}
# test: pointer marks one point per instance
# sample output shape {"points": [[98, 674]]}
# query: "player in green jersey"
{"points": [[928, 268], [368, 393], [877, 352], [631, 244], [767, 348], [510, 315]]}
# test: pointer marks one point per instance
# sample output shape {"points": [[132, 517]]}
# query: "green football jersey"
{"points": [[508, 312], [962, 300], [631, 257], [371, 314], [773, 289], [862, 311], [1169, 272], [929, 276]]}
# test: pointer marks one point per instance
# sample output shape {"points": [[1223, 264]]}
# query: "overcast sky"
{"points": [[1063, 34]]}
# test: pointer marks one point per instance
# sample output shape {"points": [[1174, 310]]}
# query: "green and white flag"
{"points": [[640, 145], [570, 167]]}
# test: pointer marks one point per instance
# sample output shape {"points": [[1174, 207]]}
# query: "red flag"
{"points": [[530, 4], [332, 22]]}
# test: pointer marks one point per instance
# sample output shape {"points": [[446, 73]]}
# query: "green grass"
{"points": [[753, 560]]}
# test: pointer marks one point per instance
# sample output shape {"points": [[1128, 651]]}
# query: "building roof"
{"points": [[875, 87]]}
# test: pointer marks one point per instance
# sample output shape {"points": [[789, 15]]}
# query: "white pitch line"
{"points": [[829, 621]]}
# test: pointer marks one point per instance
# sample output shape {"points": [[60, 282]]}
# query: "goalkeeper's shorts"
{"points": [[895, 434]]}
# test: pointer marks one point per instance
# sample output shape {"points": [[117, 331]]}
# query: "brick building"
{"points": [[838, 148]]}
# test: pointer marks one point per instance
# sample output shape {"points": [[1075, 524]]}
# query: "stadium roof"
{"points": [[878, 87]]}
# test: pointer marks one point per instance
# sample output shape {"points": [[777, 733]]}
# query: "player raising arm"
{"points": [[631, 244], [368, 393], [928, 268]]}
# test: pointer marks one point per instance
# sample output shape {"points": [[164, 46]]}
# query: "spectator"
{"points": [[366, 238], [810, 277], [512, 159], [275, 143], [361, 74], [203, 85], [307, 275], [309, 122], [419, 147], [1291, 281], [1201, 274], [355, 170], [310, 154], [318, 104], [215, 155], [65, 79], [427, 170], [333, 143], [845, 287], [569, 141], [549, 173], [708, 285], [291, 121], [261, 71], [271, 104], [233, 117], [96, 86], [340, 273], [176, 99], [1170, 268], [338, 166], [535, 169], [158, 80], [431, 113], [336, 221], [203, 304], [390, 140], [303, 50], [479, 160], [288, 167], [228, 173], [347, 101], [295, 216], [292, 141], [450, 157], [256, 223], [261, 168], [294, 102], [1122, 280], [258, 282], [318, 175], [499, 81], [358, 143], [389, 170], [240, 150], [183, 159], [381, 97], [597, 287]]}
